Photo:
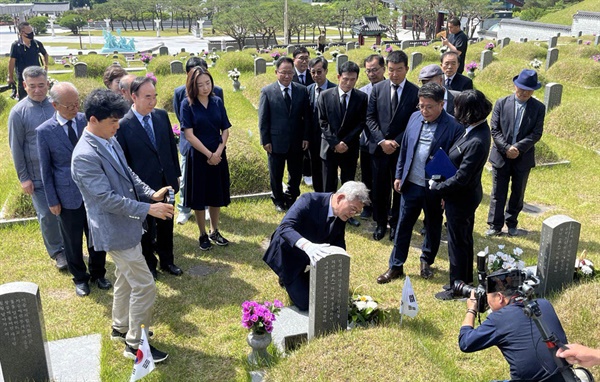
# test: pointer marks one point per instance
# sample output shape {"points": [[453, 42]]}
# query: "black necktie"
{"points": [[71, 132], [395, 98], [343, 104], [301, 76], [319, 91], [287, 98], [448, 81], [149, 130]]}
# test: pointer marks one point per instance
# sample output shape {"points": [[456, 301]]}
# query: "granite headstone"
{"points": [[558, 251], [415, 60], [260, 66], [177, 67], [552, 42], [340, 60], [163, 51], [552, 95], [487, 56], [80, 69], [405, 44], [349, 46], [551, 57]]}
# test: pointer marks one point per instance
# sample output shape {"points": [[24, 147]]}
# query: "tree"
{"points": [[38, 24], [73, 22], [234, 22]]}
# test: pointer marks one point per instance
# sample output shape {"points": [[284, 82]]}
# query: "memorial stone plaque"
{"points": [[558, 251], [177, 67], [504, 42], [415, 60], [290, 50], [328, 297], [523, 39], [552, 95], [260, 66], [486, 58], [551, 57], [597, 40], [163, 51], [23, 348], [182, 50], [349, 46], [552, 42], [80, 69], [404, 45], [230, 49], [340, 60]]}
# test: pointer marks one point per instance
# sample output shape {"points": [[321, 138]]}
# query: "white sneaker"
{"points": [[183, 217], [308, 180]]}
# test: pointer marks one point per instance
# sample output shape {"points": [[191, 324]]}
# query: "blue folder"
{"points": [[440, 164]]}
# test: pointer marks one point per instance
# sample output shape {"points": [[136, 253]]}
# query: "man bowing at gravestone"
{"points": [[315, 220]]}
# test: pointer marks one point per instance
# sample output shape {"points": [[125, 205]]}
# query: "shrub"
{"points": [[165, 88], [161, 65], [96, 64], [243, 61], [4, 69], [38, 24], [85, 86]]}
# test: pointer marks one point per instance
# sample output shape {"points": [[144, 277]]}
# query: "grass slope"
{"points": [[565, 16]]}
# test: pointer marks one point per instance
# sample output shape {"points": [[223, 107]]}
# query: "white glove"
{"points": [[431, 183], [315, 252]]}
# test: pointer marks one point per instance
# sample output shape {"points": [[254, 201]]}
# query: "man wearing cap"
{"points": [[427, 131], [517, 124], [526, 354], [434, 73]]}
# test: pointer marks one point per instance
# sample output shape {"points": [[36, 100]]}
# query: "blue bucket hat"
{"points": [[527, 80]]}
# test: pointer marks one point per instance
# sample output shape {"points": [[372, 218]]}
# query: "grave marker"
{"points": [[552, 95], [177, 67], [552, 42], [340, 60], [80, 69], [260, 66], [349, 46], [551, 57], [415, 60], [405, 44], [487, 56], [163, 51]]}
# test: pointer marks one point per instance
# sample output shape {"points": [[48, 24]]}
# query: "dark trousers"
{"points": [[298, 290], [366, 172], [316, 165], [384, 169], [73, 225], [460, 220], [500, 180], [276, 166], [346, 162], [21, 89], [414, 199], [158, 237]]}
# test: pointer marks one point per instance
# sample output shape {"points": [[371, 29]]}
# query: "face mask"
{"points": [[29, 35]]}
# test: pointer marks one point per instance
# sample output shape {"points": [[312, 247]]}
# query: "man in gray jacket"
{"points": [[23, 119], [117, 204]]}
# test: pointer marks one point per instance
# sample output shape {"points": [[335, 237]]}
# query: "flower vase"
{"points": [[471, 74], [259, 343], [236, 85]]}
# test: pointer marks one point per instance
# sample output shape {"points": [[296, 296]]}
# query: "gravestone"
{"points": [[163, 51], [177, 67], [340, 60], [182, 50], [523, 39], [579, 34], [80, 69], [579, 41], [24, 351], [92, 52], [349, 46], [552, 95], [404, 45], [230, 49], [552, 42], [551, 57], [328, 297], [154, 55], [597, 40], [290, 50], [487, 56], [415, 60], [504, 42], [558, 251], [260, 66]]}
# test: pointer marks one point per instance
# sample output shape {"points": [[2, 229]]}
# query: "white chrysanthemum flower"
{"points": [[506, 265], [372, 304], [492, 258], [501, 246], [587, 262], [360, 304], [586, 270], [504, 257], [518, 251]]}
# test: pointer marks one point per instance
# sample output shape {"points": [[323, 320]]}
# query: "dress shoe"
{"points": [[493, 232], [102, 283], [392, 234], [154, 274], [61, 261], [390, 274], [172, 269], [426, 271], [447, 295], [513, 231], [379, 232], [82, 289], [353, 222]]}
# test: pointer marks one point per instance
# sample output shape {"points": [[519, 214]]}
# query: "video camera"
{"points": [[7, 87]]}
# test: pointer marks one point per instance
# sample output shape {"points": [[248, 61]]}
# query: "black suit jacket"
{"points": [[469, 155], [380, 121], [530, 131], [459, 83], [307, 78], [449, 106], [334, 126], [307, 218], [157, 167], [315, 129], [284, 130]]}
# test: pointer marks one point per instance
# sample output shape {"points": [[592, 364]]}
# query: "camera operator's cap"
{"points": [[429, 72], [527, 80], [501, 281]]}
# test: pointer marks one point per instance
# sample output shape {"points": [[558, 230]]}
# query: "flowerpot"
{"points": [[259, 343], [236, 85], [471, 74]]}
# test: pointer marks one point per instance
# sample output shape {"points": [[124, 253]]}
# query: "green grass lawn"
{"points": [[197, 319], [565, 16]]}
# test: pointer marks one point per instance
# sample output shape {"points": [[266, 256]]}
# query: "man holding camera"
{"points": [[147, 139], [508, 328]]}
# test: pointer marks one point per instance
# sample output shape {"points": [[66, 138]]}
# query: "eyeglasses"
{"points": [[71, 106], [302, 58], [288, 74], [427, 107], [373, 70]]}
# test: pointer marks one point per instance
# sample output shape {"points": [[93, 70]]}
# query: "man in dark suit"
{"points": [[146, 136], [433, 73], [517, 124], [56, 139], [457, 42], [452, 79], [318, 72], [185, 213], [391, 104], [301, 74], [342, 116], [428, 130], [284, 124], [314, 221], [117, 202]]}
